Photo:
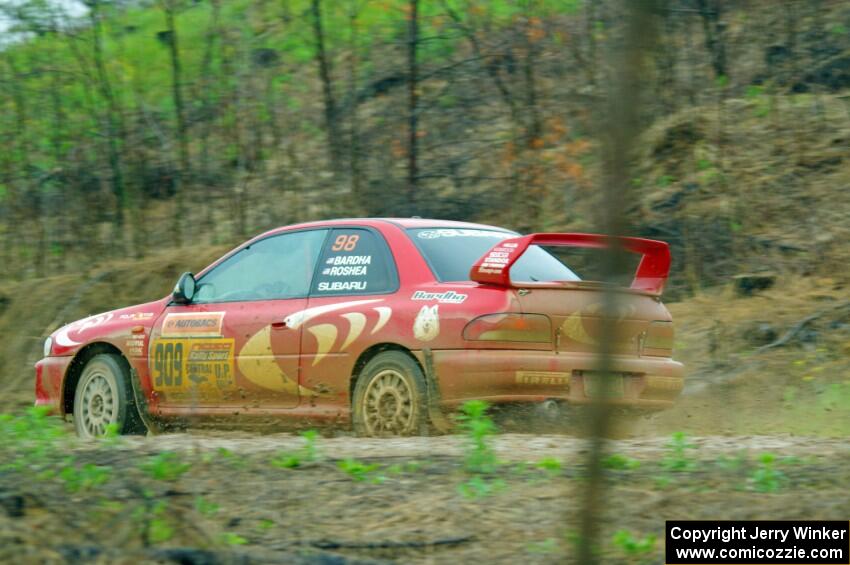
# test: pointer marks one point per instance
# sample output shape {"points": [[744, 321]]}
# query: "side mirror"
{"points": [[184, 290]]}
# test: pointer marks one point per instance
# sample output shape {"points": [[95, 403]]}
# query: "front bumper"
{"points": [[49, 376], [498, 376]]}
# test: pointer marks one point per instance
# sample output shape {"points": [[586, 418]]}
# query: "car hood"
{"points": [[107, 326]]}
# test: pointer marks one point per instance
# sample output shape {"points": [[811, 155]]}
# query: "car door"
{"points": [[231, 348], [349, 307]]}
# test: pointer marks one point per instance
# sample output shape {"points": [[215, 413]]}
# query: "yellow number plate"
{"points": [[194, 368]]}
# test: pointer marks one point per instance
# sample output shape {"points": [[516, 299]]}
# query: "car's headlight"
{"points": [[48, 346]]}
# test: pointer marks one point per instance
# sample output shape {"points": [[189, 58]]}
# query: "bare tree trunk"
{"points": [[114, 131], [354, 130], [169, 9], [27, 172], [325, 74], [535, 195], [714, 29], [413, 103]]}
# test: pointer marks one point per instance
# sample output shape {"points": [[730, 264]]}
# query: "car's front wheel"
{"points": [[389, 397], [103, 398]]}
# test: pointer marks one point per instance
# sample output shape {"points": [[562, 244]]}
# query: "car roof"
{"points": [[405, 223]]}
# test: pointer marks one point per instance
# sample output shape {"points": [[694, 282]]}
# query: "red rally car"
{"points": [[383, 323]]}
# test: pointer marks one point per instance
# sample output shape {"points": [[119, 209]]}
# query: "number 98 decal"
{"points": [[345, 243]]}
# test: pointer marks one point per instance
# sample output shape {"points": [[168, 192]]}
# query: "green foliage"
{"points": [[310, 449], [636, 549], [29, 439], [360, 471], [166, 466], [206, 507], [544, 547], [309, 452], [678, 458], [766, 477], [552, 466], [286, 461], [160, 529], [152, 516], [479, 486], [83, 478], [407, 467], [754, 92], [665, 181], [480, 458], [265, 525], [478, 428], [619, 462], [229, 538]]}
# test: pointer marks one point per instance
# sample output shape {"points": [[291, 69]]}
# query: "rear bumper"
{"points": [[49, 375], [498, 376]]}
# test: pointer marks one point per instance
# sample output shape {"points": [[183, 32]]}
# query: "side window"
{"points": [[355, 261], [277, 267]]}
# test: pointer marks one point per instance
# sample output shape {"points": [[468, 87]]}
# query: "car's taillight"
{"points": [[658, 341], [534, 328]]}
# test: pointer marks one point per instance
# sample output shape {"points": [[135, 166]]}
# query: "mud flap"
{"points": [[440, 421], [151, 422]]}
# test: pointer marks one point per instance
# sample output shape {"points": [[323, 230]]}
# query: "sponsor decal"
{"points": [[341, 285], [193, 324], [345, 267], [448, 297], [435, 234], [62, 338], [542, 378], [137, 316], [426, 327], [347, 271], [349, 260], [497, 259], [202, 367], [135, 346]]}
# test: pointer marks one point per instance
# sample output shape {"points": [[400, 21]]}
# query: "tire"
{"points": [[104, 396], [390, 397]]}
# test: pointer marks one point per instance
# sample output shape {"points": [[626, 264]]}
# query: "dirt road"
{"points": [[508, 447]]}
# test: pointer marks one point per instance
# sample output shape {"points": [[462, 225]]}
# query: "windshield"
{"points": [[452, 252]]}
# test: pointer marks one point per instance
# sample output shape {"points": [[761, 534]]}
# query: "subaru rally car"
{"points": [[381, 324]]}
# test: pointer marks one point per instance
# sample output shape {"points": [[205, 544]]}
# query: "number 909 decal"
{"points": [[192, 365]]}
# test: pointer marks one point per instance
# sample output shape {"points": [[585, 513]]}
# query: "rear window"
{"points": [[452, 252]]}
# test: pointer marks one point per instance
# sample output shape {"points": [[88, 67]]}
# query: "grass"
{"points": [[766, 477], [308, 453], [166, 466]]}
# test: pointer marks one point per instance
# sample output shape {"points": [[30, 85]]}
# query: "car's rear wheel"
{"points": [[389, 397], [103, 397]]}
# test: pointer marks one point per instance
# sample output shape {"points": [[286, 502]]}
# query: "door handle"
{"points": [[279, 325]]}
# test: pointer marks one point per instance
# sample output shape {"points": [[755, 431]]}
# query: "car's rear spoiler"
{"points": [[495, 266]]}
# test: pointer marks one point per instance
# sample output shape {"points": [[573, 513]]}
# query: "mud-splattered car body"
{"points": [[295, 349]]}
